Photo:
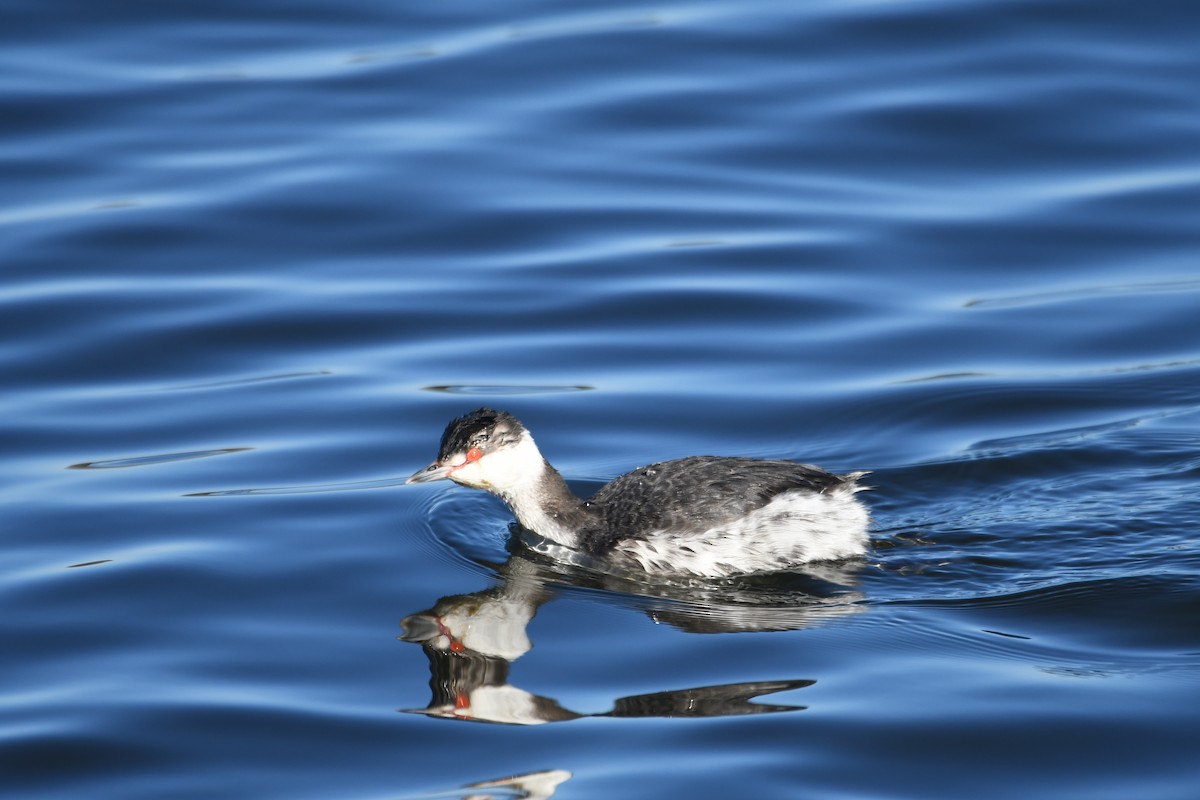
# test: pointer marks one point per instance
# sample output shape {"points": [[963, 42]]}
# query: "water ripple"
{"points": [[352, 486], [161, 458], [1085, 293], [283, 376], [504, 391]]}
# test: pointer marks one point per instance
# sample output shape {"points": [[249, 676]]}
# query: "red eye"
{"points": [[474, 454]]}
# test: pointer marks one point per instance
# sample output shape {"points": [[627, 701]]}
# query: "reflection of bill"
{"points": [[471, 641]]}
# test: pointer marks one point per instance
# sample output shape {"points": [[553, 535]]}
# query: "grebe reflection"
{"points": [[472, 640]]}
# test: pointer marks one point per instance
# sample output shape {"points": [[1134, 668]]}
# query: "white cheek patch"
{"points": [[503, 470]]}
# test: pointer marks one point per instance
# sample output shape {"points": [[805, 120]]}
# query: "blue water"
{"points": [[253, 257]]}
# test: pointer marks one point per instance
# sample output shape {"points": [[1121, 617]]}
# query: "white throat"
{"points": [[520, 476], [514, 469]]}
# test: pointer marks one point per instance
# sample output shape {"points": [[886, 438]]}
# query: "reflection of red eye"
{"points": [[474, 454]]}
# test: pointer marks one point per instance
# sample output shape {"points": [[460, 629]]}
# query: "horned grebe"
{"points": [[702, 515]]}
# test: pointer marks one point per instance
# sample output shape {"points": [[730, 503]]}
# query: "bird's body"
{"points": [[702, 515]]}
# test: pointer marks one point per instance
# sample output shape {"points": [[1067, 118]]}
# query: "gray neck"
{"points": [[546, 505]]}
